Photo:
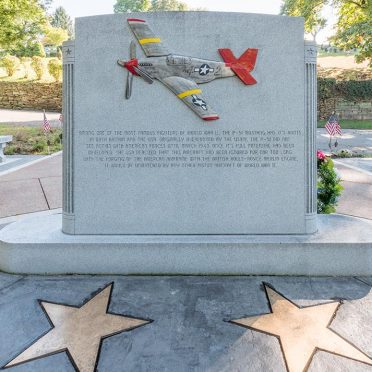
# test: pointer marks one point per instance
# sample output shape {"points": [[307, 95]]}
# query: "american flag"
{"points": [[332, 126], [46, 125]]}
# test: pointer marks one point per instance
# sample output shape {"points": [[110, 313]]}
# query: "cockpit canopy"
{"points": [[174, 60]]}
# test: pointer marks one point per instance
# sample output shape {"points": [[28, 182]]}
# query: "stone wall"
{"points": [[356, 110], [34, 96], [48, 96]]}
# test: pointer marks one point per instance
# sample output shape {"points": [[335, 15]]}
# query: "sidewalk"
{"points": [[356, 140], [28, 118], [33, 188], [356, 198]]}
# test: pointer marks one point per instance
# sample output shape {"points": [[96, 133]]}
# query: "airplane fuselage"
{"points": [[196, 69]]}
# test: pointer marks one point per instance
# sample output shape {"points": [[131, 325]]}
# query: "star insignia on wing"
{"points": [[301, 331], [79, 331]]}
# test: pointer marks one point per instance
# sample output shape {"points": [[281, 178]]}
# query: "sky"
{"points": [[81, 8]]}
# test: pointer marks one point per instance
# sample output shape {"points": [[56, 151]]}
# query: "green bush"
{"points": [[326, 88], [355, 89], [30, 50], [329, 187], [59, 54], [55, 69], [38, 66], [11, 63], [351, 90], [39, 50]]}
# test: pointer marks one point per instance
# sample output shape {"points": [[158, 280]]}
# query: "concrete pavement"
{"points": [[359, 141], [36, 187], [28, 118]]}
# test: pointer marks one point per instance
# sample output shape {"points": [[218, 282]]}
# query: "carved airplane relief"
{"points": [[182, 74]]}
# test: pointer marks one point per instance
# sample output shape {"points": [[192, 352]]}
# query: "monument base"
{"points": [[36, 245]]}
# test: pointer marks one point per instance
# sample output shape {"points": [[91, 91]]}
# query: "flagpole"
{"points": [[45, 132]]}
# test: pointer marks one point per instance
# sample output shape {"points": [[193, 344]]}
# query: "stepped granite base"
{"points": [[35, 245]]}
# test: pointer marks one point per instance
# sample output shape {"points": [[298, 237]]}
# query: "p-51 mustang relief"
{"points": [[181, 74]]}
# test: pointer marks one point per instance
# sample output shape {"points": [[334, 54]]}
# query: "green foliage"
{"points": [[350, 124], [60, 19], [326, 88], [11, 63], [351, 90], [329, 187], [55, 69], [310, 10], [55, 36], [21, 23], [39, 50], [30, 50], [31, 140], [354, 24], [354, 28], [126, 6], [59, 54], [355, 90], [38, 66], [161, 5]]}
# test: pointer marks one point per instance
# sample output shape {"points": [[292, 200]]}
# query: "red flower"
{"points": [[320, 155]]}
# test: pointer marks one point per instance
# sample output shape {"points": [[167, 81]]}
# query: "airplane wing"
{"points": [[189, 92], [150, 43]]}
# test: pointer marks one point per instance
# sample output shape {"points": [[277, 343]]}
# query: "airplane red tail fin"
{"points": [[243, 65]]}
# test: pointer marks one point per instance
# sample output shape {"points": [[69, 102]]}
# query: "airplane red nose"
{"points": [[129, 65]]}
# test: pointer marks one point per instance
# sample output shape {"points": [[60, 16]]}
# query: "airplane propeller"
{"points": [[132, 54], [139, 71]]}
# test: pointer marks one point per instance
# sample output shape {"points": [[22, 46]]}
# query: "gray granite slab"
{"points": [[366, 279], [257, 198], [189, 331], [341, 247]]}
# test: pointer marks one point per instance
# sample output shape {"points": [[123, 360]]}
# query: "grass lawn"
{"points": [[350, 124], [30, 140]]}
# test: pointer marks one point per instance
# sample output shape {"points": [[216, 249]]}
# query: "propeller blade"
{"points": [[128, 88], [144, 75], [132, 50]]}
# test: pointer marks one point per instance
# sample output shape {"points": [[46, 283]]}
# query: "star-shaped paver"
{"points": [[302, 331], [78, 331]]}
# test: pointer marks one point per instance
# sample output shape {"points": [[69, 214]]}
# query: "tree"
{"points": [[21, 23], [61, 19], [126, 6], [310, 10], [353, 28], [160, 5], [55, 36]]}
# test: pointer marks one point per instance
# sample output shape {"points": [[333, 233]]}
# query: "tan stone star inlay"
{"points": [[78, 331], [302, 331]]}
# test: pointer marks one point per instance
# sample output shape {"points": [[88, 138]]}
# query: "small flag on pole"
{"points": [[332, 126], [46, 125]]}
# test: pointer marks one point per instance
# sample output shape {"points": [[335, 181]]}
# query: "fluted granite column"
{"points": [[310, 135], [68, 51]]}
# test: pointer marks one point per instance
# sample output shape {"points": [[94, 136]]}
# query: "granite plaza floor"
{"points": [[185, 323]]}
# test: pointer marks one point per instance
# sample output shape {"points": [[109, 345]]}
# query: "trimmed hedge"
{"points": [[351, 90]]}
